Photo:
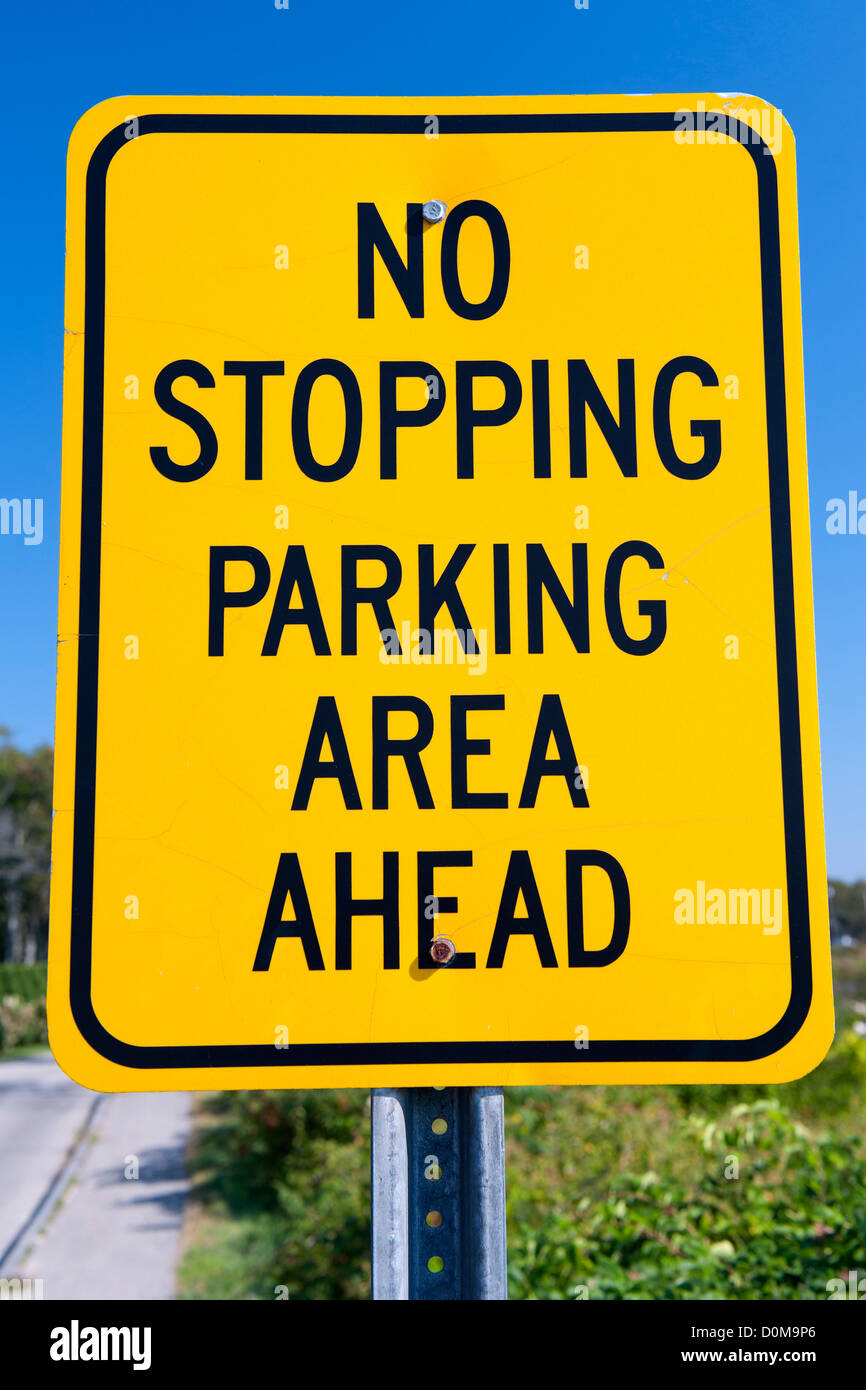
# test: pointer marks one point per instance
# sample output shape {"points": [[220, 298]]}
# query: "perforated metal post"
{"points": [[438, 1193]]}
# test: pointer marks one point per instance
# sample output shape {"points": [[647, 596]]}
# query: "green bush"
{"points": [[28, 982], [750, 1204], [766, 1210], [22, 1005], [291, 1168], [22, 1022], [619, 1192]]}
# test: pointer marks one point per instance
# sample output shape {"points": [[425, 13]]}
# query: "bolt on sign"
{"points": [[437, 694]]}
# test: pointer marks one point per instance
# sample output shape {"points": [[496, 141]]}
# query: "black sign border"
{"points": [[396, 1053]]}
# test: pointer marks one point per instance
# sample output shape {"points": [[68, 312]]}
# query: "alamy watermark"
{"points": [[719, 907], [77, 1343], [22, 516], [846, 516], [855, 1288], [21, 1289], [750, 125], [440, 647]]}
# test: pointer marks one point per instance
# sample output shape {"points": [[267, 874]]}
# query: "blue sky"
{"points": [[807, 58]]}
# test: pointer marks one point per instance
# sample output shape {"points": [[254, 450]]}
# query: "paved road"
{"points": [[41, 1111], [111, 1235]]}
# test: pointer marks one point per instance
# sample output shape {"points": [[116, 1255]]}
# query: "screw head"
{"points": [[434, 211], [442, 950]]}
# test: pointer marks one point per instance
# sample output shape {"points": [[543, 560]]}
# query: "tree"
{"points": [[25, 850], [847, 908]]}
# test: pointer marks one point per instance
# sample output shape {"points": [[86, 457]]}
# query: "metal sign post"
{"points": [[438, 1193]]}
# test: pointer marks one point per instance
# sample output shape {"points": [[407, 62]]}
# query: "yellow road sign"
{"points": [[436, 669]]}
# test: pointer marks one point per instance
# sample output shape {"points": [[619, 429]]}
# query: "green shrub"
{"points": [[291, 1168], [768, 1210], [22, 1022], [28, 982], [613, 1192]]}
